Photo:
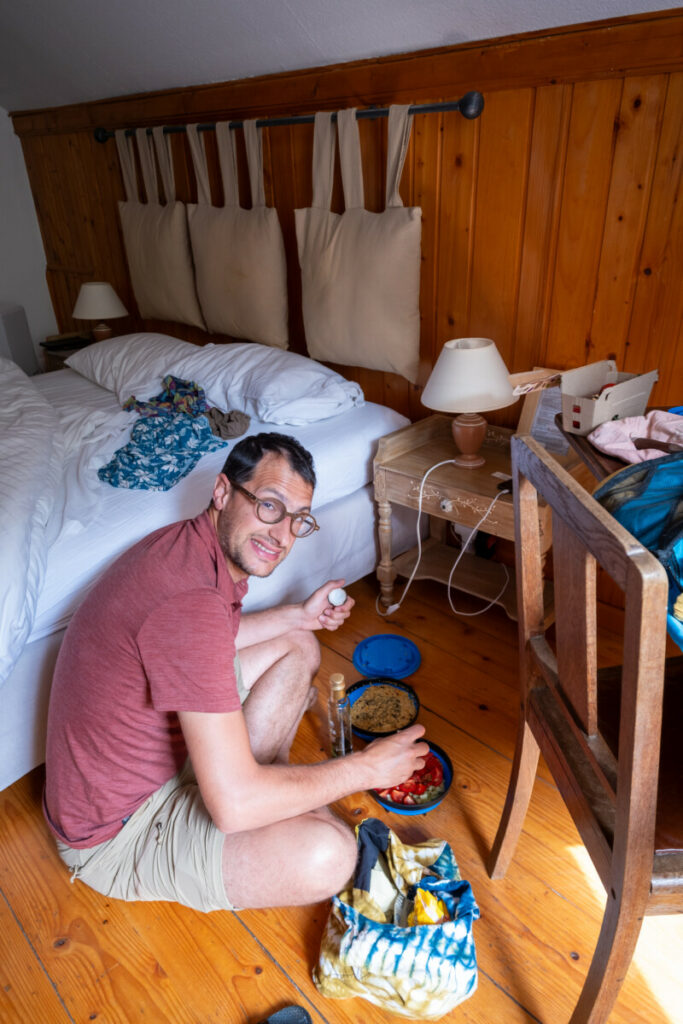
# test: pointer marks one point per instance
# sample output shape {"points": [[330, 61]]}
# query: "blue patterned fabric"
{"points": [[178, 395], [647, 498], [162, 450]]}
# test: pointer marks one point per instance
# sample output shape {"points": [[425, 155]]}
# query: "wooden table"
{"points": [[450, 494]]}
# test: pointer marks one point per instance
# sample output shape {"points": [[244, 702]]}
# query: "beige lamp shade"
{"points": [[97, 300], [469, 376]]}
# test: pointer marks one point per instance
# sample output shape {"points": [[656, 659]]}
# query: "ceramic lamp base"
{"points": [[469, 431], [101, 332]]}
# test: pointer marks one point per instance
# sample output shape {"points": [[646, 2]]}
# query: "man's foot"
{"points": [[312, 699]]}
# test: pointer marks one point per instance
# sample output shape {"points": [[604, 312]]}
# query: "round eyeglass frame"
{"points": [[301, 524]]}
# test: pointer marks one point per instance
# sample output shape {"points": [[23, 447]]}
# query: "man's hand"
{"points": [[393, 759], [320, 614]]}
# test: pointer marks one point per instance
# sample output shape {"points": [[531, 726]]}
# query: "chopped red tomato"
{"points": [[429, 777]]}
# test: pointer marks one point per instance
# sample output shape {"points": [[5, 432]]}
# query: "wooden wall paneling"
{"points": [[242, 168], [215, 183], [546, 161], [36, 167], [395, 388], [291, 189], [499, 219], [72, 197], [372, 134], [655, 335], [103, 192], [74, 211], [183, 169], [426, 184], [587, 173], [457, 194], [637, 133]]}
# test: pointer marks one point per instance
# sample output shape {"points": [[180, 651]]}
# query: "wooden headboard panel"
{"points": [[550, 223]]}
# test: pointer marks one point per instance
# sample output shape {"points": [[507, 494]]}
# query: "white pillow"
{"points": [[133, 364], [273, 385]]}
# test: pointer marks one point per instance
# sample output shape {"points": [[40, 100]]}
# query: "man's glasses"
{"points": [[270, 510]]}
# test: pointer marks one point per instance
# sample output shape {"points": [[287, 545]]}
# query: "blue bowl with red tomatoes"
{"points": [[424, 790]]}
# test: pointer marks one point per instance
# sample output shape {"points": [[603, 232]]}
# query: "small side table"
{"points": [[58, 348], [450, 494]]}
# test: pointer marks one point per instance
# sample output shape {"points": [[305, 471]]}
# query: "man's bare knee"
{"points": [[306, 644], [331, 858]]}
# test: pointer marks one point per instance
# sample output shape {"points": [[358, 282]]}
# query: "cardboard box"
{"points": [[585, 404]]}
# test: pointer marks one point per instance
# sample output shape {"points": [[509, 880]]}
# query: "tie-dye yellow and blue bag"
{"points": [[401, 937]]}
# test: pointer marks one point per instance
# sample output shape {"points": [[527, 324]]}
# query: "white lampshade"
{"points": [[469, 376], [97, 300]]}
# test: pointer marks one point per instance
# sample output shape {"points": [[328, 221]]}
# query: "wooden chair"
{"points": [[598, 731]]}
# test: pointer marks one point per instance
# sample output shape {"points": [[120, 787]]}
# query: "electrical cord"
{"points": [[394, 607]]}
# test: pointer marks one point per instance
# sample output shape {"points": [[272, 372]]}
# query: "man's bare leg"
{"points": [[290, 863], [279, 675]]}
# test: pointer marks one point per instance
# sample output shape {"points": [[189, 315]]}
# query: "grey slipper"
{"points": [[289, 1015]]}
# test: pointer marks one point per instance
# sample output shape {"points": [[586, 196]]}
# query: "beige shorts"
{"points": [[169, 849]]}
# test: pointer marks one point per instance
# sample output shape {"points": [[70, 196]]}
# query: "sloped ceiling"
{"points": [[54, 52]]}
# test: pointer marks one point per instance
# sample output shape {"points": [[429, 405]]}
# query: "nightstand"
{"points": [[58, 348], [450, 494]]}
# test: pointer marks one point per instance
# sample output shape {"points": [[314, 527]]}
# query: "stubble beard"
{"points": [[232, 552]]}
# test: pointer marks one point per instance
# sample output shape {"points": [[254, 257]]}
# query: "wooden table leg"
{"points": [[386, 574]]}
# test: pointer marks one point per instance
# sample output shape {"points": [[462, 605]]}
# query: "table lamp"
{"points": [[469, 378], [97, 300]]}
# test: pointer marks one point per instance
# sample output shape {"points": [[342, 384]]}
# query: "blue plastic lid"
{"points": [[386, 654]]}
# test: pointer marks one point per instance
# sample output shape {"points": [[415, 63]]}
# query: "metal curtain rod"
{"points": [[470, 106]]}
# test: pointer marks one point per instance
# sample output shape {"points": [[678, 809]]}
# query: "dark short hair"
{"points": [[247, 453]]}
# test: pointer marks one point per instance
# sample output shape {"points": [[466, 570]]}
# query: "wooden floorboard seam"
{"points": [[508, 995], [36, 955], [310, 1006]]}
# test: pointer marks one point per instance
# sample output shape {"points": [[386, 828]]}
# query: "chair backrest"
{"points": [[607, 776]]}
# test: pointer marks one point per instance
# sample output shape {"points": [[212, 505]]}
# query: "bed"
{"points": [[62, 525]]}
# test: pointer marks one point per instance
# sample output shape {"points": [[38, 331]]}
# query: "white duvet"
{"points": [[31, 469], [34, 442]]}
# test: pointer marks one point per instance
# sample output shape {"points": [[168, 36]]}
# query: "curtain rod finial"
{"points": [[471, 105]]}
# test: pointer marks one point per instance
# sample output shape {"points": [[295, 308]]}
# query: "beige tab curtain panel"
{"points": [[155, 235], [239, 254], [360, 270], [227, 273]]}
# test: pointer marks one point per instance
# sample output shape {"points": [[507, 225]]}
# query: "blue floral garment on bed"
{"points": [[165, 444], [177, 396]]}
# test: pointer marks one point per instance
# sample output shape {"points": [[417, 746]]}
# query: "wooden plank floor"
{"points": [[68, 954]]}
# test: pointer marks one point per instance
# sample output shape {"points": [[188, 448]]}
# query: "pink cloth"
{"points": [[154, 636], [615, 437]]}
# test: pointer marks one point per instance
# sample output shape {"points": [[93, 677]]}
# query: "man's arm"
{"points": [[240, 794], [314, 613]]}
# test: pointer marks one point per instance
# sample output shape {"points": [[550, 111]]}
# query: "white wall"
{"points": [[22, 257]]}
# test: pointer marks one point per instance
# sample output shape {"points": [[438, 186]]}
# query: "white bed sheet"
{"points": [[342, 447]]}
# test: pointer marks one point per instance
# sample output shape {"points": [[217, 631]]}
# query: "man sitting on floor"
{"points": [[172, 715]]}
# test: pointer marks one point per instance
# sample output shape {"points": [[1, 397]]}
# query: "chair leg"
{"points": [[517, 801], [613, 954]]}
